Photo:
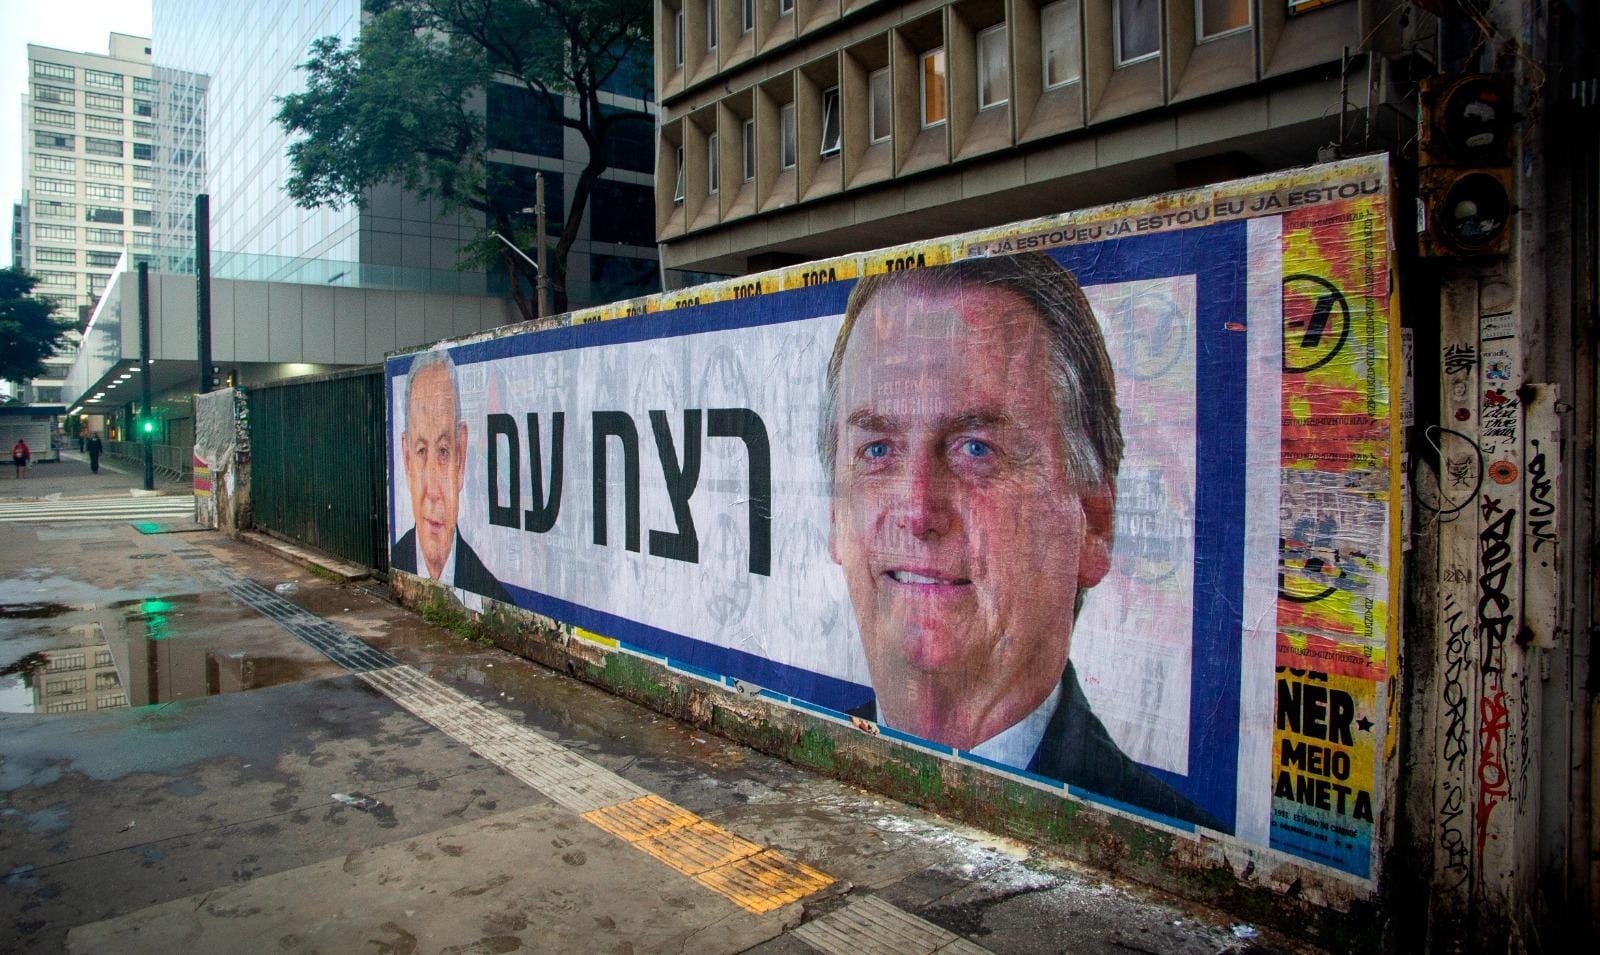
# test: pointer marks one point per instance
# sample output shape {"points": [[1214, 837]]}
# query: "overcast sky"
{"points": [[78, 25]]}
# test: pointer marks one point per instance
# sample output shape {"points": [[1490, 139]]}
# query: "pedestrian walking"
{"points": [[19, 457], [93, 447]]}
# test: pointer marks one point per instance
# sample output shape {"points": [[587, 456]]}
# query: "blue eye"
{"points": [[973, 448], [875, 450]]}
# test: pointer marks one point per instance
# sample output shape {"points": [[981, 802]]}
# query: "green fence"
{"points": [[317, 463]]}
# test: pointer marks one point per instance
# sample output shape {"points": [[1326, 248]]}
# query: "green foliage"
{"points": [[28, 332], [403, 104]]}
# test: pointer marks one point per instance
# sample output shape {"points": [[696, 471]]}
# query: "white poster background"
{"points": [[1132, 644]]}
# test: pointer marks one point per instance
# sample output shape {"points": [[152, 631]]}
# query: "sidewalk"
{"points": [[71, 477]]}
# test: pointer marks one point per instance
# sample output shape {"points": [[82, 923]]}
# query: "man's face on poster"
{"points": [[963, 541], [435, 456]]}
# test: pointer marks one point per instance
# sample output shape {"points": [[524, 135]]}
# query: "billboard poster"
{"points": [[1105, 501]]}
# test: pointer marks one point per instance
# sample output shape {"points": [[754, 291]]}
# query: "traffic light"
{"points": [[1464, 195], [147, 427]]}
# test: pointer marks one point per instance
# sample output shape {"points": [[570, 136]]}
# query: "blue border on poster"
{"points": [[1217, 257]]}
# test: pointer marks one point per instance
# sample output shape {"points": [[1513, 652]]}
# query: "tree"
{"points": [[400, 105], [28, 333]]}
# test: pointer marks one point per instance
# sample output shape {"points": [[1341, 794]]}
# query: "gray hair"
{"points": [[1084, 385], [424, 361]]}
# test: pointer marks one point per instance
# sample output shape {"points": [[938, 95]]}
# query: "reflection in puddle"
{"points": [[167, 648], [68, 680]]}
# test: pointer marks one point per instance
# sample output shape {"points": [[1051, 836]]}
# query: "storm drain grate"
{"points": [[871, 926]]}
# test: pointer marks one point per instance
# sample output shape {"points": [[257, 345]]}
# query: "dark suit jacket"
{"points": [[1077, 750], [471, 575]]}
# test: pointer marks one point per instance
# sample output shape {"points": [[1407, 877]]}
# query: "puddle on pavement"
{"points": [[157, 650], [14, 611]]}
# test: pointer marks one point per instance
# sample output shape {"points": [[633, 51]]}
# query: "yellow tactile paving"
{"points": [[641, 818], [764, 881], [756, 879], [694, 849]]}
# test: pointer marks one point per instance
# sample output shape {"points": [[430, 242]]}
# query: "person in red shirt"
{"points": [[19, 457]]}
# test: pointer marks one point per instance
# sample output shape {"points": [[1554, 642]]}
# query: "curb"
{"points": [[314, 561]]}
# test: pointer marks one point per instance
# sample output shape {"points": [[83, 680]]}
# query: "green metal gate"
{"points": [[317, 463]]}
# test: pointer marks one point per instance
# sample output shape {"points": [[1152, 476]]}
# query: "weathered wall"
{"points": [[222, 460]]}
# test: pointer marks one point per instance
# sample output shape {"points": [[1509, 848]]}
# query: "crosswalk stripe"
{"points": [[96, 509]]}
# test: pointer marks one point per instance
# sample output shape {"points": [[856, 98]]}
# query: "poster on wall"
{"points": [[1105, 501]]}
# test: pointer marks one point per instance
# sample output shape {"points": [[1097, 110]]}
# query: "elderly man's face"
{"points": [[435, 456], [963, 542]]}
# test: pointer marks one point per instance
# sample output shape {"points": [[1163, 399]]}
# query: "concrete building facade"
{"points": [[796, 129], [88, 145]]}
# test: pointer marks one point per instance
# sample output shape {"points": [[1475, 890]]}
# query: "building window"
{"points": [[51, 209], [102, 658], [102, 236], [1219, 18], [102, 214], [53, 94], [515, 119], [55, 257], [144, 174], [53, 117], [106, 147], [55, 164], [747, 15], [678, 43], [110, 81], [748, 134], [1058, 36], [711, 164], [54, 71], [96, 190], [103, 124], [1136, 30], [785, 7], [44, 140], [624, 213], [144, 197], [143, 85], [57, 279], [144, 217], [144, 130], [101, 260], [103, 101], [994, 67], [143, 151], [790, 148], [880, 108], [830, 121], [933, 101], [144, 240], [66, 706], [55, 187], [98, 283], [110, 702], [55, 233], [142, 107], [105, 170], [677, 187], [711, 24]]}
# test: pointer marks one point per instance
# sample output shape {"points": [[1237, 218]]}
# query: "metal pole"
{"points": [[538, 217], [144, 375], [202, 287]]}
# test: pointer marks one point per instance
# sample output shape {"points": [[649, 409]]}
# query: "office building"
{"points": [[88, 138], [796, 129]]}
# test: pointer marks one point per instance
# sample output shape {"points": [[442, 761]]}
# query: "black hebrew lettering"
{"points": [[542, 516], [504, 426], [617, 424], [681, 481], [746, 425]]}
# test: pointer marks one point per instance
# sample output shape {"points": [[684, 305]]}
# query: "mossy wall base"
{"points": [[1256, 886]]}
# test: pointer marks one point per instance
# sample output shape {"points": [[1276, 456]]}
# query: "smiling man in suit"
{"points": [[434, 448], [972, 437]]}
